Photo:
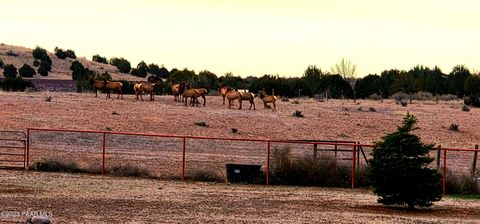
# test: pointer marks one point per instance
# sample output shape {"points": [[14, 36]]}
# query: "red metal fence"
{"points": [[13, 149], [356, 150]]}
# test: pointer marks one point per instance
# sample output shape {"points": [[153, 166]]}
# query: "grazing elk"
{"points": [[250, 97], [98, 85], [177, 90], [223, 92], [232, 95], [114, 86], [267, 98], [202, 92]]}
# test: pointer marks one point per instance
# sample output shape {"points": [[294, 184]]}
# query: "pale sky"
{"points": [[254, 37]]}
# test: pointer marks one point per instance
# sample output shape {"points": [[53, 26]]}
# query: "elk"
{"points": [[177, 90], [202, 92], [223, 91], [98, 85], [114, 86], [192, 94], [149, 87], [250, 97], [267, 98], [232, 95]]}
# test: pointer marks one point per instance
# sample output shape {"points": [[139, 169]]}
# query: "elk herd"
{"points": [[183, 93]]}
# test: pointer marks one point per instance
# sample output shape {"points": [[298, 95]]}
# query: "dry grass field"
{"points": [[79, 198]]}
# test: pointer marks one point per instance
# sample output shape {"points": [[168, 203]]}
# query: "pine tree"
{"points": [[399, 171]]}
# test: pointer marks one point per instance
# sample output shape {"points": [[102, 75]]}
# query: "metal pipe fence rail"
{"points": [[13, 149], [355, 148]]}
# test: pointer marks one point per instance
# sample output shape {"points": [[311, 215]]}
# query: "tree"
{"points": [[122, 64], [78, 70], [10, 71], [70, 53], [38, 52], [455, 82], [348, 72], [99, 59], [27, 71], [60, 53], [399, 169], [312, 76], [142, 69]]}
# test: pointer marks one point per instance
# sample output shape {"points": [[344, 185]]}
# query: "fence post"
{"points": [[315, 150], [183, 158], [358, 154], [267, 169], [354, 153], [439, 153], [27, 151], [103, 152], [474, 163], [444, 170]]}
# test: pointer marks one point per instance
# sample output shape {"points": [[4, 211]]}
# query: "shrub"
{"points": [[60, 53], [16, 84], [465, 108], [297, 113], [472, 100], [27, 71], [122, 64], [201, 123], [371, 109], [306, 171], [9, 71], [39, 52], [206, 175], [460, 184], [422, 96], [57, 165], [398, 97], [128, 170], [404, 103], [70, 54], [453, 127], [399, 169], [78, 70], [448, 97], [36, 63], [99, 59], [44, 68], [375, 97]]}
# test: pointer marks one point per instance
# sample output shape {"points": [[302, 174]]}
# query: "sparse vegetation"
{"points": [[201, 123], [306, 171], [234, 130], [298, 113], [453, 127]]}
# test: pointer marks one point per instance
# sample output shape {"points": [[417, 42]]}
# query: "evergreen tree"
{"points": [[399, 169]]}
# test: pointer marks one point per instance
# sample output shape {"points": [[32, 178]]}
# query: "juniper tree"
{"points": [[399, 169]]}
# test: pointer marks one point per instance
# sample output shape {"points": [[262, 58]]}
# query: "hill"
{"points": [[60, 67]]}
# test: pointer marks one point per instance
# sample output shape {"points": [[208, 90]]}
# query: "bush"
{"points": [[399, 169], [57, 165], [206, 175], [375, 97], [122, 64], [36, 63], [306, 171], [398, 97], [16, 84], [128, 170], [27, 71], [71, 54], [422, 96], [39, 52], [465, 108], [472, 100], [453, 127], [44, 68], [99, 59], [297, 113], [60, 53], [448, 97], [9, 71], [460, 184]]}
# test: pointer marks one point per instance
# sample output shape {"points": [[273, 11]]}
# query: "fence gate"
{"points": [[13, 149]]}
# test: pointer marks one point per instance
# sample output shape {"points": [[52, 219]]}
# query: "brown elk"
{"points": [[223, 92], [98, 85], [267, 98], [232, 95], [114, 86], [192, 94], [250, 97], [149, 87], [177, 90], [202, 92]]}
